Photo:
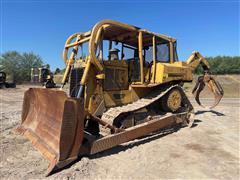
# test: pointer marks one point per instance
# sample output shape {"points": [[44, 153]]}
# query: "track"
{"points": [[111, 114]]}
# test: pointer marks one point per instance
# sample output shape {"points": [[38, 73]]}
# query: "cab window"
{"points": [[163, 52], [175, 55], [148, 54]]}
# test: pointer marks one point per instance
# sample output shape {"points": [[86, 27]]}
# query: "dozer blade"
{"points": [[213, 85], [54, 124]]}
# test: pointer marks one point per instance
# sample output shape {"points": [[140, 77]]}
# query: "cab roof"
{"points": [[128, 34]]}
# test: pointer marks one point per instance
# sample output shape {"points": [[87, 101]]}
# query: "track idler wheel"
{"points": [[172, 101], [212, 84]]}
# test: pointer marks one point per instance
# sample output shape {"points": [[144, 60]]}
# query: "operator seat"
{"points": [[113, 54]]}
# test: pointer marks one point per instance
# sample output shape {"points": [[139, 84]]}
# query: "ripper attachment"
{"points": [[212, 84]]}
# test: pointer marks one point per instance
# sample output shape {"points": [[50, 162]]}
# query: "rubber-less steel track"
{"points": [[184, 116], [115, 112]]}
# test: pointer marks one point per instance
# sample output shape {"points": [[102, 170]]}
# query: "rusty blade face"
{"points": [[212, 84], [54, 124]]}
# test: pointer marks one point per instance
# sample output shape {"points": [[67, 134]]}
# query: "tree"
{"points": [[47, 66], [223, 65], [19, 66], [28, 61], [57, 71], [10, 62]]}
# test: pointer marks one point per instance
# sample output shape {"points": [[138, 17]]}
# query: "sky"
{"points": [[43, 26]]}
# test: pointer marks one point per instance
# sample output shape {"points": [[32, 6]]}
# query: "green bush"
{"points": [[18, 66], [223, 65]]}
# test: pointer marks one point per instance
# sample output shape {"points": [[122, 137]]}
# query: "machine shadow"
{"points": [[136, 142], [195, 123], [119, 148], [211, 111], [139, 141]]}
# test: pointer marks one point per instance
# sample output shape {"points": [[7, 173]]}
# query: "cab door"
{"points": [[115, 85], [116, 75]]}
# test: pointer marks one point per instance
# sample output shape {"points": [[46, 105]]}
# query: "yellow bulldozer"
{"points": [[44, 76], [125, 83]]}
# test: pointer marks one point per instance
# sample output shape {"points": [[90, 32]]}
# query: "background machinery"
{"points": [[125, 82], [44, 76], [3, 82]]}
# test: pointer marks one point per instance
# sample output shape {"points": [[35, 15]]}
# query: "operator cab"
{"points": [[124, 57], [118, 51]]}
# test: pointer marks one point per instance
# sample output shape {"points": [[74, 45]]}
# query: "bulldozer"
{"points": [[4, 83], [44, 76], [124, 83]]}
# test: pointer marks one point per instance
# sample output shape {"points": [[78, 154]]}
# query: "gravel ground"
{"points": [[208, 150]]}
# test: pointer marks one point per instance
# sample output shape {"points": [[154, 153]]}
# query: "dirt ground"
{"points": [[208, 150]]}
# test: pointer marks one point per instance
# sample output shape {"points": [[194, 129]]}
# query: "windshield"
{"points": [[112, 50]]}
